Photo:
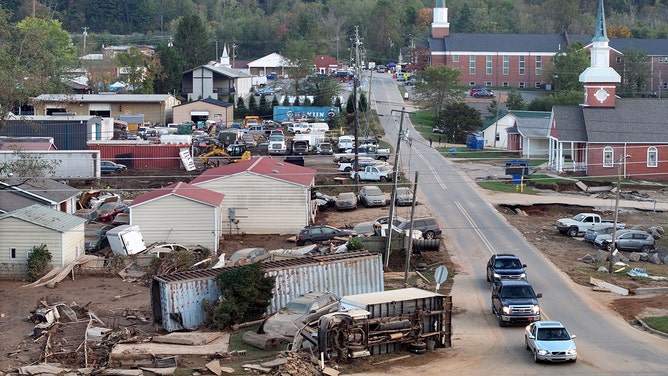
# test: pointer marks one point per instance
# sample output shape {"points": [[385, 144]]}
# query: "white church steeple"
{"points": [[440, 27], [599, 78]]}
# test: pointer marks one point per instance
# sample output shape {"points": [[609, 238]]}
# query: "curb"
{"points": [[648, 328]]}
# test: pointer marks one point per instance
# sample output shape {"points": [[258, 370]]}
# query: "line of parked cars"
{"points": [[515, 301]]}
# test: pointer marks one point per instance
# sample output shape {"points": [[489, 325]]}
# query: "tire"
{"points": [[501, 322], [647, 248], [347, 169], [487, 277], [526, 343], [573, 232], [418, 347], [383, 179], [384, 159], [308, 242], [573, 360], [609, 247], [429, 235], [535, 356]]}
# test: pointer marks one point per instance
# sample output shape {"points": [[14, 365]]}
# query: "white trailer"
{"points": [[69, 164]]}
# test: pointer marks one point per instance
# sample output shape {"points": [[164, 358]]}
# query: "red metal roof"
{"points": [[184, 190], [264, 166]]}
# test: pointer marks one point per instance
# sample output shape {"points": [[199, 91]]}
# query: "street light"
{"points": [[613, 244]]}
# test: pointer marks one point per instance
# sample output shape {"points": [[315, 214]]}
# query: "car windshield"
{"points": [[517, 292], [552, 334], [297, 307], [507, 264], [374, 192]]}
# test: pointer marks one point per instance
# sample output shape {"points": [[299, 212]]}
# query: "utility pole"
{"points": [[356, 81], [393, 197], [613, 243], [410, 231], [85, 34]]}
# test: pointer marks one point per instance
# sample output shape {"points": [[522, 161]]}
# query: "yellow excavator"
{"points": [[215, 153]]}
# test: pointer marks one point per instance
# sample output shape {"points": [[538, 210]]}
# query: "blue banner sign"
{"points": [[297, 113]]}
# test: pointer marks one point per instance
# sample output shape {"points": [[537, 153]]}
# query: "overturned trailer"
{"points": [[379, 323]]}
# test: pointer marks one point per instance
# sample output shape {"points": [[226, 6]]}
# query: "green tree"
{"points": [[38, 262], [569, 98], [636, 73], [296, 102], [34, 55], [252, 106], [493, 109], [136, 65], [438, 87], [515, 100], [240, 111], [363, 105], [265, 108], [463, 21], [168, 79], [350, 104], [299, 55], [567, 65], [245, 296], [192, 42], [286, 100], [326, 90], [25, 167], [458, 121]]}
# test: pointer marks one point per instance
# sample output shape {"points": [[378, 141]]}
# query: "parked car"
{"points": [[404, 197], [325, 201], [321, 233], [300, 311], [628, 240], [505, 266], [95, 238], [272, 76], [484, 93], [591, 233], [107, 212], [428, 225], [325, 148], [474, 90], [109, 167], [372, 195], [346, 201], [122, 218], [266, 91], [550, 341], [248, 139]]}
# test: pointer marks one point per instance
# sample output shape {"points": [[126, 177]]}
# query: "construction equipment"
{"points": [[215, 153]]}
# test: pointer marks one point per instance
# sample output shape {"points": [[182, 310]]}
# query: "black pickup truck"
{"points": [[515, 302]]}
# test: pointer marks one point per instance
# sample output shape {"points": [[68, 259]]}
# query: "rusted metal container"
{"points": [[176, 299], [154, 156]]}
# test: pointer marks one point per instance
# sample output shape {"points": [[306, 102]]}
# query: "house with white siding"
{"points": [[263, 195], [25, 228], [180, 213]]}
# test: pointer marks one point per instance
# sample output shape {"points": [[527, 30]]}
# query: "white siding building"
{"points": [[25, 228], [179, 213], [262, 195]]}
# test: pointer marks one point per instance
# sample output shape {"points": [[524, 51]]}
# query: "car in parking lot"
{"points": [[483, 93], [628, 240], [346, 201], [298, 312], [505, 266], [428, 225], [95, 238], [372, 195], [404, 197], [320, 233], [109, 167], [324, 201], [369, 227], [549, 341]]}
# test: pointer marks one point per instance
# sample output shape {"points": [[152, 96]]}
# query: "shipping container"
{"points": [[176, 299], [140, 155], [67, 164]]}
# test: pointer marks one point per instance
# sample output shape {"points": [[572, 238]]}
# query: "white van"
{"points": [[318, 127], [345, 143]]}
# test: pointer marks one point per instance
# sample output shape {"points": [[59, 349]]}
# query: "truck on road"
{"points": [[581, 222], [515, 302], [363, 151]]}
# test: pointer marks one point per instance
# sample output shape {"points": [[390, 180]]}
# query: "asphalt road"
{"points": [[474, 230]]}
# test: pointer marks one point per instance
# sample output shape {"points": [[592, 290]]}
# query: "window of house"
{"points": [[522, 65], [498, 136], [488, 83], [506, 65], [652, 157], [505, 84], [618, 59], [663, 60], [472, 83], [472, 64], [12, 253], [608, 157], [539, 65], [522, 85], [455, 58], [537, 85], [664, 85], [488, 65]]}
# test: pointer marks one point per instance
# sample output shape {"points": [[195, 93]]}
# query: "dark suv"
{"points": [[515, 302], [428, 225], [505, 266]]}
